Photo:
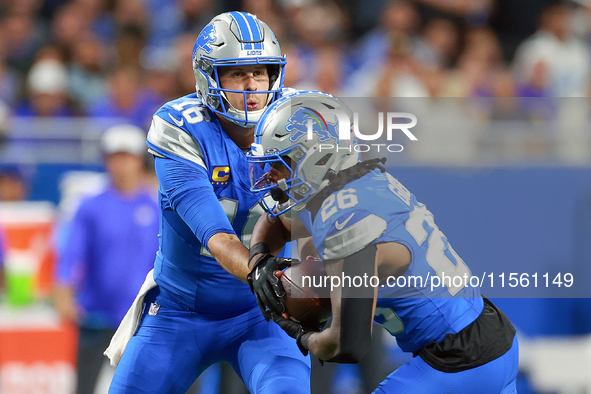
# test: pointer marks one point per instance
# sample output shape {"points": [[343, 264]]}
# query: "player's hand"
{"points": [[65, 303], [265, 284], [296, 331]]}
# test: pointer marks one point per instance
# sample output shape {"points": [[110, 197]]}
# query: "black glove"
{"points": [[296, 331], [266, 286]]}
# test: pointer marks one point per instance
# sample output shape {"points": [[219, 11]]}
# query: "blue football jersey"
{"points": [[378, 208], [186, 131]]}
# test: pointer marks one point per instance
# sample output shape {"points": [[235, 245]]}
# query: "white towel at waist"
{"points": [[129, 324]]}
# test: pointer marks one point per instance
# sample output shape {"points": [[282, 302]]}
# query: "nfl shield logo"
{"points": [[153, 309]]}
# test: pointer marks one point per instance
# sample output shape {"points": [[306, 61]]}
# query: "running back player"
{"points": [[365, 223], [200, 312]]}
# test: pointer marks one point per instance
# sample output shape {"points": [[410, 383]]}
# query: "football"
{"points": [[305, 300]]}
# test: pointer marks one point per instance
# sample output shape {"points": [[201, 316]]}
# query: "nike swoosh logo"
{"points": [[257, 274], [340, 226], [179, 123]]}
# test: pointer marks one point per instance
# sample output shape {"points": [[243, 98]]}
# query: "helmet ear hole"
{"points": [[273, 71]]}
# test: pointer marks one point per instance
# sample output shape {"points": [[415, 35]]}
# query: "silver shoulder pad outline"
{"points": [[354, 238], [175, 141]]}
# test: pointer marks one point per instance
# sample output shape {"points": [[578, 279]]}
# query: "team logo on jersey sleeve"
{"points": [[305, 118], [206, 37], [220, 175]]}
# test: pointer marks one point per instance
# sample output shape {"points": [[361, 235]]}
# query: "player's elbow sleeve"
{"points": [[356, 311], [353, 351], [355, 333]]}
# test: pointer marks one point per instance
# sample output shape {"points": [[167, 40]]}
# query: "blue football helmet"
{"points": [[299, 134], [235, 38]]}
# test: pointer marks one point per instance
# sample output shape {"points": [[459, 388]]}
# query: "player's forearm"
{"points": [[324, 345], [329, 345], [230, 254], [65, 302], [271, 232]]}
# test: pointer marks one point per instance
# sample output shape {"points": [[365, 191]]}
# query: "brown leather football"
{"points": [[307, 300]]}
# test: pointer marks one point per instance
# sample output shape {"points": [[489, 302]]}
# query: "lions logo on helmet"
{"points": [[206, 37], [305, 118]]}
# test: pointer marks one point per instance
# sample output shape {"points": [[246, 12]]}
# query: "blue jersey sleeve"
{"points": [[191, 195]]}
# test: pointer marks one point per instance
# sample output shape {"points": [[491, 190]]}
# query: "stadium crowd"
{"points": [[127, 57]]}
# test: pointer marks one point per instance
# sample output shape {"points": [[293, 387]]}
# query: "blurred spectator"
{"points": [[196, 14], [294, 67], [131, 35], [161, 81], [4, 122], [183, 53], [70, 25], [131, 13], [110, 246], [26, 7], [268, 11], [168, 20], [514, 21], [537, 84], [2, 273], [364, 15], [127, 98], [161, 72], [164, 23], [565, 57], [129, 44], [13, 183], [9, 83], [535, 99], [481, 71], [47, 86], [393, 47], [398, 75], [402, 74], [315, 69], [321, 30], [442, 36], [87, 81], [474, 12], [100, 18], [9, 79], [398, 18], [22, 36]]}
